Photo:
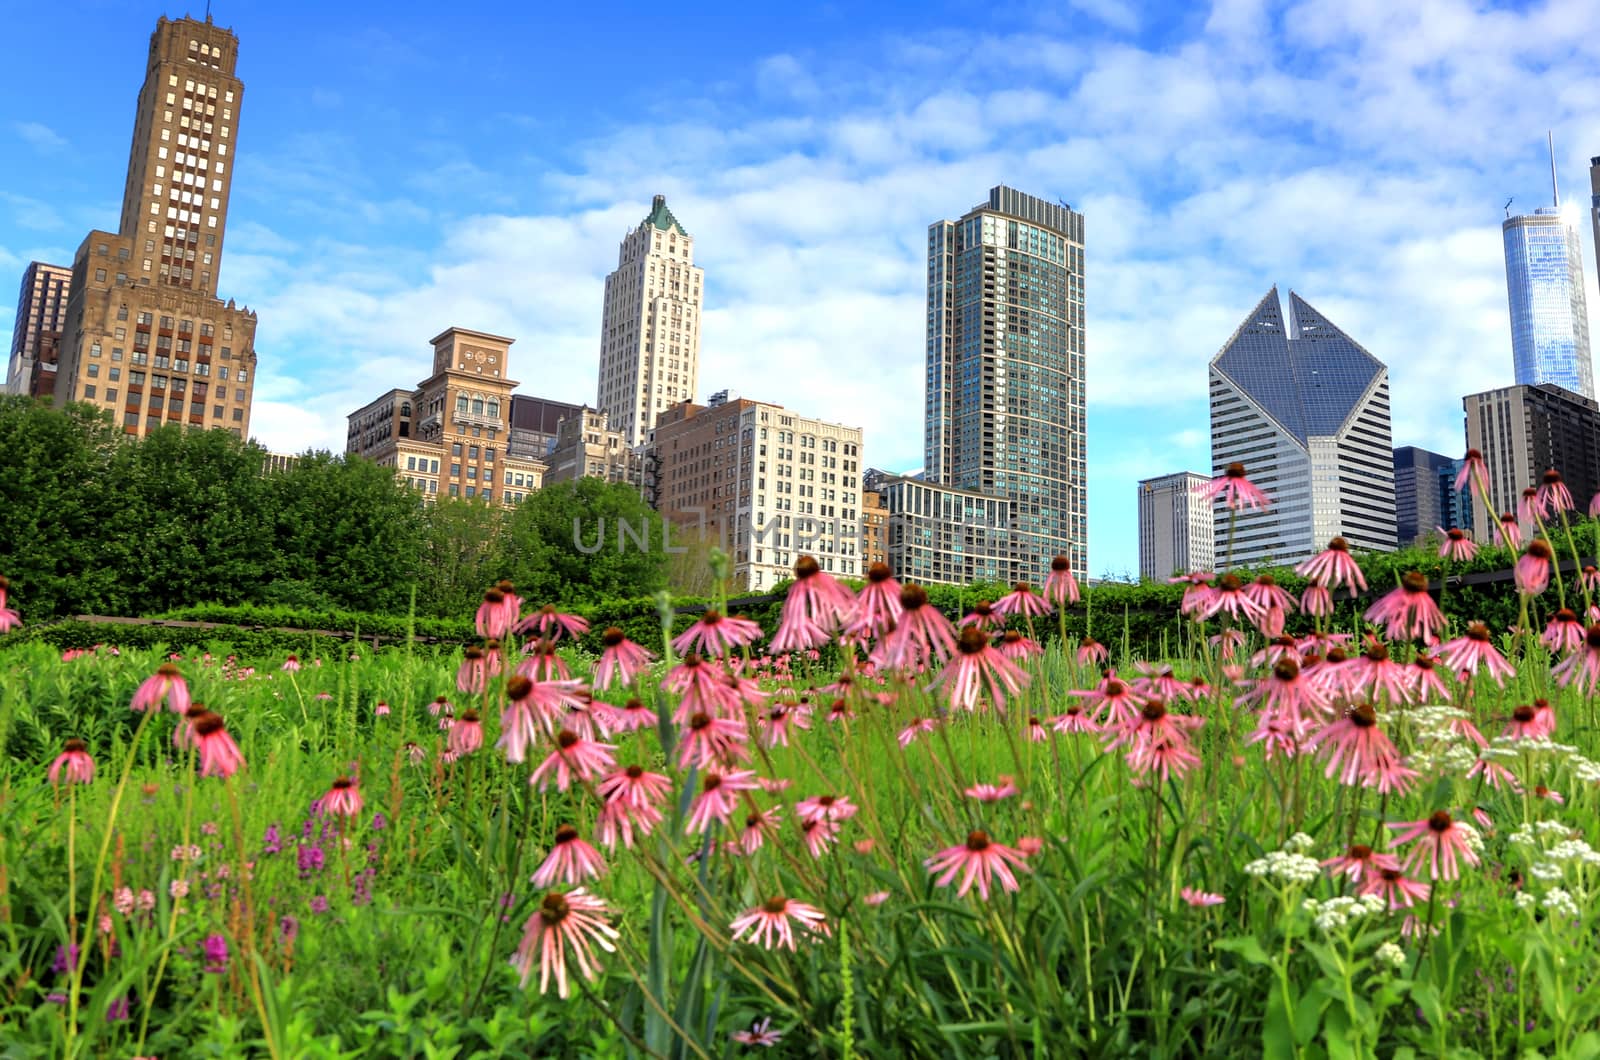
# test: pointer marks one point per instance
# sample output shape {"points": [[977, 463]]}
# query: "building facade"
{"points": [[448, 437], [940, 535], [765, 484], [36, 335], [146, 336], [1005, 401], [1175, 526], [1594, 207], [650, 325], [1549, 314], [1523, 431], [533, 425], [587, 447], [1306, 410], [1423, 502], [874, 529]]}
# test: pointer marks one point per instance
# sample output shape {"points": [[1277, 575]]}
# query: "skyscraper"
{"points": [[1544, 284], [650, 326], [1005, 370], [1306, 410], [1175, 526], [1522, 432], [1421, 505], [36, 335], [144, 298], [1594, 207]]}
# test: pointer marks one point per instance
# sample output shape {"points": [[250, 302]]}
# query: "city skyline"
{"points": [[366, 213]]}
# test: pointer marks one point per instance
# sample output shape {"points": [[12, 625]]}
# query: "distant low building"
{"points": [[1175, 526], [940, 535], [586, 447]]}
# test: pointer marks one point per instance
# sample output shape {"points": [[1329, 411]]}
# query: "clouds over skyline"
{"points": [[1356, 151]]}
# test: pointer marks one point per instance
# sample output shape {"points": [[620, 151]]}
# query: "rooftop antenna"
{"points": [[1508, 205], [1555, 192]]}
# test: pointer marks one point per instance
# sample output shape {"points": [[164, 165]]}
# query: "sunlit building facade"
{"points": [[1544, 285]]}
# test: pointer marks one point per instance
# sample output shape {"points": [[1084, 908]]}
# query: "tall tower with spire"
{"points": [[1544, 288]]}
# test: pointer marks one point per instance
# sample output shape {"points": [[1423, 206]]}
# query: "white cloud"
{"points": [[40, 137]]}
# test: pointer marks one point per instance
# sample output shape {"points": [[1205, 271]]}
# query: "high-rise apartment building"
{"points": [[1306, 410], [1005, 413], [764, 483], [450, 436], [1544, 285], [36, 334], [650, 326], [1175, 526], [1522, 432], [940, 535], [874, 528], [146, 336], [1594, 207]]}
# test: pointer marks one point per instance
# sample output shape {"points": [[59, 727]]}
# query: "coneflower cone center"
{"points": [[1286, 670], [1551, 477], [1363, 716], [711, 618], [1360, 852], [553, 910], [1479, 632], [1339, 544], [1565, 615], [913, 597], [1455, 535], [494, 596], [700, 721], [805, 567], [1267, 580], [1439, 821], [1415, 582], [168, 671], [1234, 470], [342, 784], [972, 641], [752, 820], [517, 688], [612, 637], [1539, 550], [1230, 583], [713, 781], [566, 834], [1011, 636], [977, 842], [1115, 688], [1592, 637], [879, 572], [474, 654], [566, 738], [1060, 563], [1154, 710], [75, 746], [1377, 653], [208, 724], [1524, 715]]}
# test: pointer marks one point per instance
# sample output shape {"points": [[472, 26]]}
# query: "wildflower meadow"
{"points": [[1332, 823]]}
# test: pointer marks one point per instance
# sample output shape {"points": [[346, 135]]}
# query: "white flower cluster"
{"points": [[1390, 954], [1282, 865], [1574, 850], [1299, 843], [1525, 900], [1536, 745], [1335, 913], [1560, 903]]}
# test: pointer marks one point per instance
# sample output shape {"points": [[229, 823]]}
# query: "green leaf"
{"points": [[1246, 946]]}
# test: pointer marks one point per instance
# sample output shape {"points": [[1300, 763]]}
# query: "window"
{"points": [[99, 276], [136, 378], [223, 372], [455, 469], [116, 373], [130, 419], [455, 449], [94, 371], [238, 415], [88, 391], [94, 349]]}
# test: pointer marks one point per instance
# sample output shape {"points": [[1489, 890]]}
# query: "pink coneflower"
{"points": [[574, 760], [1530, 507], [219, 755], [1017, 647], [1395, 887], [918, 727], [1426, 683], [1590, 577], [1359, 751], [1564, 633], [923, 634], [1581, 667], [1407, 611], [1235, 489], [758, 825], [618, 819], [717, 634], [760, 1033], [719, 794], [74, 762], [979, 668], [166, 683], [1374, 673], [570, 859], [183, 734], [1553, 493], [1360, 862], [1022, 600], [776, 921], [979, 860], [1060, 587], [530, 706], [1200, 899], [877, 609], [1196, 594], [1074, 720], [702, 687], [573, 921], [1542, 792], [707, 741], [621, 660], [1493, 773], [1158, 742], [746, 690], [819, 834], [1157, 681], [1508, 531], [381, 709], [1475, 649], [1533, 721], [291, 665], [416, 753], [982, 616], [441, 706], [491, 619], [550, 624], [1533, 569], [1455, 545], [1334, 565], [1317, 601], [1091, 652], [815, 606], [633, 716], [1473, 471], [635, 785], [343, 798], [1112, 699], [511, 602], [1289, 695], [825, 807], [466, 735], [473, 674], [777, 723], [992, 792], [544, 662], [1229, 595], [774, 785], [1442, 840]]}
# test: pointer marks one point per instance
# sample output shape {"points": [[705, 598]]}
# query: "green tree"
{"points": [[346, 534], [461, 553], [189, 520], [584, 541], [53, 506]]}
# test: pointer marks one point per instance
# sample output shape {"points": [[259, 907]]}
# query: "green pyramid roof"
{"points": [[662, 217]]}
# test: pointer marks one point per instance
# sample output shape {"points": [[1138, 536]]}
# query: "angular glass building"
{"points": [[1005, 385], [1306, 410], [1549, 318]]}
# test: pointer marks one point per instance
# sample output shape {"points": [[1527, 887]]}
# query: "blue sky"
{"points": [[400, 171]]}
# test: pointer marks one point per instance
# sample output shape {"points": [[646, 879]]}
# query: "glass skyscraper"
{"points": [[1005, 383], [1549, 319]]}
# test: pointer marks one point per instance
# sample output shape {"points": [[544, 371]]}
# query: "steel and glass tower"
{"points": [[1005, 383], [1544, 284]]}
